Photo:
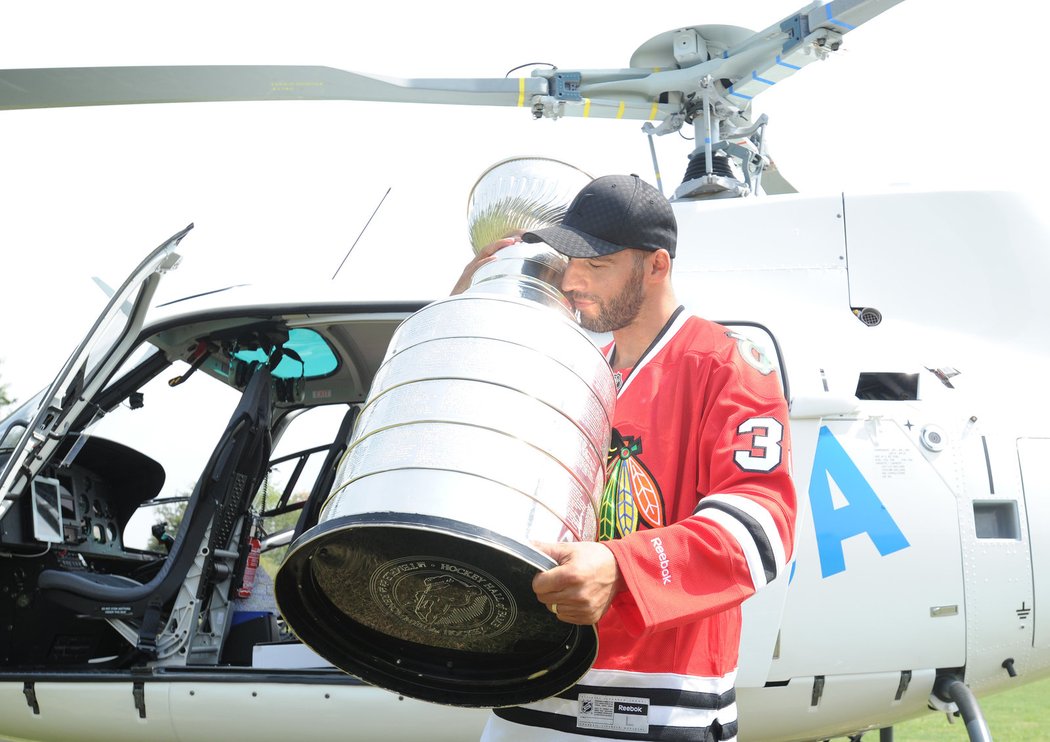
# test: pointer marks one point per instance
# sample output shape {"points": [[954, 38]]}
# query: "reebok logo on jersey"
{"points": [[631, 708], [664, 562]]}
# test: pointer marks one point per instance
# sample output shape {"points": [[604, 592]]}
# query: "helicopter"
{"points": [[918, 462]]}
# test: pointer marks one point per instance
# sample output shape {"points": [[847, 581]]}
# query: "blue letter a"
{"points": [[863, 513]]}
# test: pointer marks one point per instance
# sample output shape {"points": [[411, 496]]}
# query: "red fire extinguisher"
{"points": [[250, 567]]}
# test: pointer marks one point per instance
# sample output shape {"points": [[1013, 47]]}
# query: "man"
{"points": [[699, 509]]}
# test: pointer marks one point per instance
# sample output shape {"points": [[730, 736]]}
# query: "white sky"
{"points": [[932, 92]]}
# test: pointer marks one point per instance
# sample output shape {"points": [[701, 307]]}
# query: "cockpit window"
{"points": [[11, 438], [318, 358]]}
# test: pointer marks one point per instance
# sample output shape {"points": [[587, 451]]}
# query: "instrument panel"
{"points": [[85, 506]]}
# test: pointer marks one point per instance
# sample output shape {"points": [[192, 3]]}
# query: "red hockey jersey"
{"points": [[699, 510]]}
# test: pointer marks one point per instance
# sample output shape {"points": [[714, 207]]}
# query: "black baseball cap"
{"points": [[612, 213]]}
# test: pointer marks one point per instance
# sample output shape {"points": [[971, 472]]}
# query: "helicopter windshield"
{"points": [[317, 357]]}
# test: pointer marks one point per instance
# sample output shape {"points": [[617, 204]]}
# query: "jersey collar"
{"points": [[668, 331]]}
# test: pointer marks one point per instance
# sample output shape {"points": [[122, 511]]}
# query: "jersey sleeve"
{"points": [[740, 534]]}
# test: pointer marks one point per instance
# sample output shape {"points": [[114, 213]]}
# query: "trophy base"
{"points": [[431, 608]]}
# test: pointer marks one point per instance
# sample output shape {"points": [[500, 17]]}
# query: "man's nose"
{"points": [[572, 278]]}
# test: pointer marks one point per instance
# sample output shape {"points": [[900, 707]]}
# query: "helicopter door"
{"points": [[86, 371], [879, 514], [1033, 454]]}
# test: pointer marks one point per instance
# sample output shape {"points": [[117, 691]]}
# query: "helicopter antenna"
{"points": [[361, 232]]}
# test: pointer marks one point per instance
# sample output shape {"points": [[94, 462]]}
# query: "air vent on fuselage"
{"points": [[870, 316]]}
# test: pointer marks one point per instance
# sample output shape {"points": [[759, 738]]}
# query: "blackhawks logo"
{"points": [[631, 496]]}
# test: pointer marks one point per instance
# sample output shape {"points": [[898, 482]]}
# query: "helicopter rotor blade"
{"points": [[64, 87], [751, 65], [106, 86], [661, 83]]}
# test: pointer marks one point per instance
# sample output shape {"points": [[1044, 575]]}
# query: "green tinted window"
{"points": [[318, 358]]}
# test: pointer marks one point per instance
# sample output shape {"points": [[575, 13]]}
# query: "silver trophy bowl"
{"points": [[485, 430], [520, 194]]}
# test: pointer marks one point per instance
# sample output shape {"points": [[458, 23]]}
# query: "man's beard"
{"points": [[621, 310]]}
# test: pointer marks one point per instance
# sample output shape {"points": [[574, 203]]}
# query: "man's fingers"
{"points": [[493, 247], [583, 583], [559, 552], [483, 256]]}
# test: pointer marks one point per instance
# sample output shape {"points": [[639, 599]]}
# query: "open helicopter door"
{"points": [[88, 369]]}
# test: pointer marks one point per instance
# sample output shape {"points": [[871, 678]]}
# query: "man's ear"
{"points": [[661, 263]]}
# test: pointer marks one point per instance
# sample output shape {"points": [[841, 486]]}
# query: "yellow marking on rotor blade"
{"points": [[521, 92], [586, 107], [656, 110], [619, 111]]}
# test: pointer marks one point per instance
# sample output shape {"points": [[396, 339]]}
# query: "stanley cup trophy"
{"points": [[485, 430]]}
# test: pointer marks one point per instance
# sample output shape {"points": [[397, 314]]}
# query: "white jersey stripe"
{"points": [[677, 681]]}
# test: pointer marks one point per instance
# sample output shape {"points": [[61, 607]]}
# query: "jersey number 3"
{"points": [[765, 451]]}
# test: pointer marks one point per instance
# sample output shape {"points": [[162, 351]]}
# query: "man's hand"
{"points": [[584, 583], [485, 255]]}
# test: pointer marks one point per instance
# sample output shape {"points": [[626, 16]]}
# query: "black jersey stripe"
{"points": [[758, 533], [567, 724]]}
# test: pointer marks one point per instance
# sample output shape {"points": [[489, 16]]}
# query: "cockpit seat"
{"points": [[234, 470]]}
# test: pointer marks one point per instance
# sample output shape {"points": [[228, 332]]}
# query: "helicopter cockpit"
{"points": [[134, 527]]}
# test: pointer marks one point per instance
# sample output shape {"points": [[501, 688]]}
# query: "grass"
{"points": [[1021, 715]]}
